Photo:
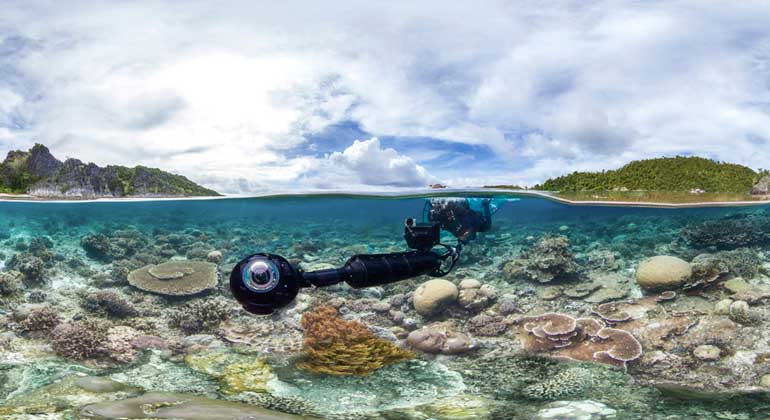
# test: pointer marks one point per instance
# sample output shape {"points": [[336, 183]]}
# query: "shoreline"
{"points": [[24, 198]]}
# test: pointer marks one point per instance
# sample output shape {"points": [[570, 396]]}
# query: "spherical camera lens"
{"points": [[260, 275]]}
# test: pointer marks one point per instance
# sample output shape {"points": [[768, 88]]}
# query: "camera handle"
{"points": [[366, 270]]}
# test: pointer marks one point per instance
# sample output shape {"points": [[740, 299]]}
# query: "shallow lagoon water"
{"points": [[497, 378]]}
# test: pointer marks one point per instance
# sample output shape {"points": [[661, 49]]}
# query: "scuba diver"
{"points": [[264, 282]]}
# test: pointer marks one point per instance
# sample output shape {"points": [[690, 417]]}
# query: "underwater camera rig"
{"points": [[263, 282]]}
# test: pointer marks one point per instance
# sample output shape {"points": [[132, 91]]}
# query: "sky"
{"points": [[254, 96]]}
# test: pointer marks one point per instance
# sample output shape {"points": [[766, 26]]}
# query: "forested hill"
{"points": [[663, 174], [38, 173]]}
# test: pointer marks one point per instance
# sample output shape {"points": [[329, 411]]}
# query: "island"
{"points": [[37, 174], [676, 180]]}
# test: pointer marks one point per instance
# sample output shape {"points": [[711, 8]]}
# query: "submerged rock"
{"points": [[576, 410], [164, 405], [175, 278]]}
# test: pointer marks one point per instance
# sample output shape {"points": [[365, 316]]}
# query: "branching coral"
{"points": [[200, 315], [335, 346], [729, 233], [78, 340], [109, 303], [43, 319], [10, 282]]}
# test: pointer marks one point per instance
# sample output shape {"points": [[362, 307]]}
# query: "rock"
{"points": [[737, 285], [576, 410], [550, 293], [439, 338], [164, 405], [433, 295], [214, 257], [470, 284], [764, 381], [707, 352], [741, 313], [175, 278], [475, 296], [98, 384], [662, 273], [723, 307], [762, 187]]}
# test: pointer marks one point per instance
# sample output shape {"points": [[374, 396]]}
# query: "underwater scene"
{"points": [[123, 310]]}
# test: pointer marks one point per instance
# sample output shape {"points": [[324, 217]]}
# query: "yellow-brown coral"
{"points": [[335, 346]]}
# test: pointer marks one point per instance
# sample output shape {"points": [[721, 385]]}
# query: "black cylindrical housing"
{"points": [[377, 269]]}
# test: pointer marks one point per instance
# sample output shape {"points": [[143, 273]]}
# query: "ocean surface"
{"points": [[104, 313]]}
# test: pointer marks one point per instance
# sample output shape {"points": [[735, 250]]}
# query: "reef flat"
{"points": [[120, 309]]}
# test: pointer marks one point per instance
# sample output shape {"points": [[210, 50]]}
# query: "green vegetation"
{"points": [[505, 187], [664, 174], [37, 170]]}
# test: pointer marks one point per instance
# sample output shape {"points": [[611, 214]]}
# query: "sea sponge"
{"points": [[200, 315], [663, 272], [335, 346], [175, 278], [78, 340]]}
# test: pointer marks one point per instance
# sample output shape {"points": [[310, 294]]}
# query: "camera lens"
{"points": [[260, 275]]}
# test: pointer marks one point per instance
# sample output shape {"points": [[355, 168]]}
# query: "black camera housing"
{"points": [[422, 236]]}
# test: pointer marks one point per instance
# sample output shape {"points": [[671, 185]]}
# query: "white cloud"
{"points": [[370, 164], [224, 95]]}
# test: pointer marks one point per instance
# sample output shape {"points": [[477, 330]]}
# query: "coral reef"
{"points": [[175, 278], [108, 303], [433, 296], [548, 260], [30, 266], [729, 233], [199, 315], [440, 338], [582, 339], [563, 384], [78, 340], [41, 320], [663, 272], [235, 373], [335, 346], [10, 282]]}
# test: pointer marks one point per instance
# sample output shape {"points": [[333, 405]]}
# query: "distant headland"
{"points": [[36, 173], [680, 179]]}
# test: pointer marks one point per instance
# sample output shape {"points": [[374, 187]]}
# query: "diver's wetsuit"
{"points": [[457, 217]]}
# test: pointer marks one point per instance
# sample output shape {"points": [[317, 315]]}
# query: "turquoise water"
{"points": [[73, 260]]}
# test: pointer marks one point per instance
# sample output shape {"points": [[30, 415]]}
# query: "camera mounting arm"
{"points": [[263, 282]]}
